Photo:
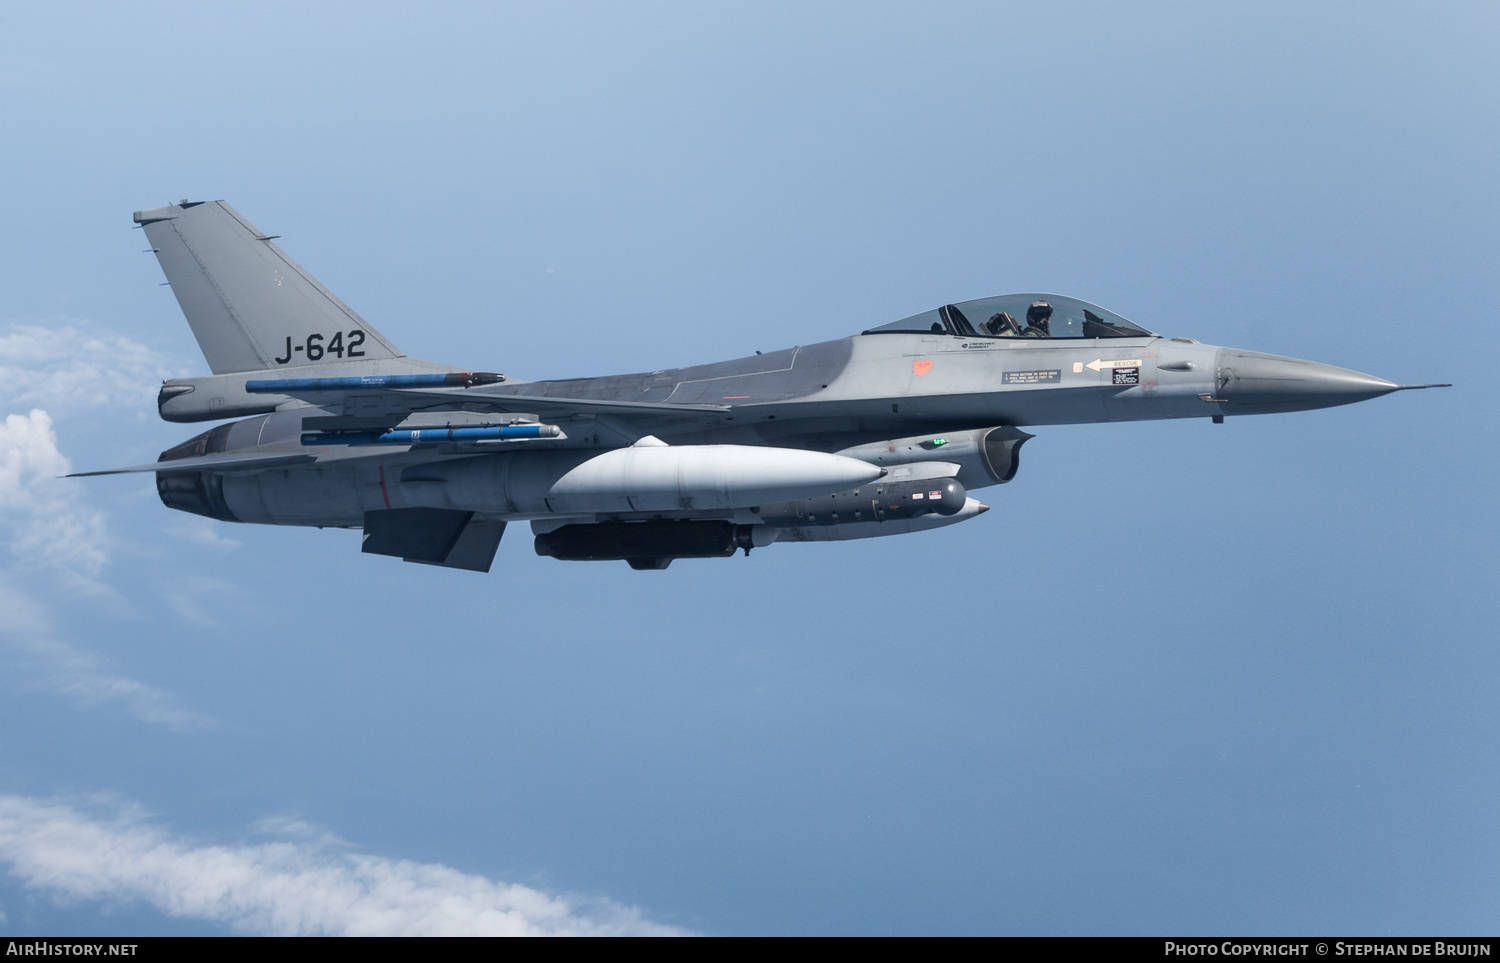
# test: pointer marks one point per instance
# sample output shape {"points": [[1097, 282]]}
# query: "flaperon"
{"points": [[882, 433]]}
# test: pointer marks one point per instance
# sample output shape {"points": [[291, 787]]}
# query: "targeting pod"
{"points": [[646, 545]]}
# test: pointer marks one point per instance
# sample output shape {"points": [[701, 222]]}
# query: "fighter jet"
{"points": [[885, 432]]}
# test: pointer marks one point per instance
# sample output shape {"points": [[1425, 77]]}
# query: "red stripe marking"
{"points": [[383, 493]]}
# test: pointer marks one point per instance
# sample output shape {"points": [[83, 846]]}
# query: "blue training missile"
{"points": [[455, 379], [430, 436]]}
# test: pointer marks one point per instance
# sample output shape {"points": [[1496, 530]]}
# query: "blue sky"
{"points": [[1182, 679]]}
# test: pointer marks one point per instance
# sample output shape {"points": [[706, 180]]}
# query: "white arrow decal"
{"points": [[1099, 364]]}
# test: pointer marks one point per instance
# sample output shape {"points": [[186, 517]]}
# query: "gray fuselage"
{"points": [[828, 397], [878, 434]]}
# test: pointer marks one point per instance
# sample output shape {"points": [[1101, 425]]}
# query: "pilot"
{"points": [[1038, 320], [1002, 325]]}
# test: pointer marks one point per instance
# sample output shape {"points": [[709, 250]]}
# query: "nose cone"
{"points": [[1253, 383]]}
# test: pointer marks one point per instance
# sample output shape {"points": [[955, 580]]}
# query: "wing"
{"points": [[395, 396]]}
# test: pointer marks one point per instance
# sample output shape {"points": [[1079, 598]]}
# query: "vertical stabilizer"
{"points": [[250, 306]]}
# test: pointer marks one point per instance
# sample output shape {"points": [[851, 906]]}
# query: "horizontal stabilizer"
{"points": [[223, 461]]}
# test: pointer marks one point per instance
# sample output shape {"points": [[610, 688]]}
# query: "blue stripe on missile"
{"points": [[277, 386], [430, 436]]}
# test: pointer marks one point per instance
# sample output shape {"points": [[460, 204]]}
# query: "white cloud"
{"points": [[66, 371], [199, 600], [57, 540], [49, 525], [202, 531], [70, 368], [301, 886], [32, 644]]}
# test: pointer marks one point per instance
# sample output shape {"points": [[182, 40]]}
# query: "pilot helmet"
{"points": [[1039, 314]]}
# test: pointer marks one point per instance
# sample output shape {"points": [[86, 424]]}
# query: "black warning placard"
{"points": [[1031, 377], [1126, 376]]}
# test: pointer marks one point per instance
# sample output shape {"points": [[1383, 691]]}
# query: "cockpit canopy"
{"points": [[1018, 316]]}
